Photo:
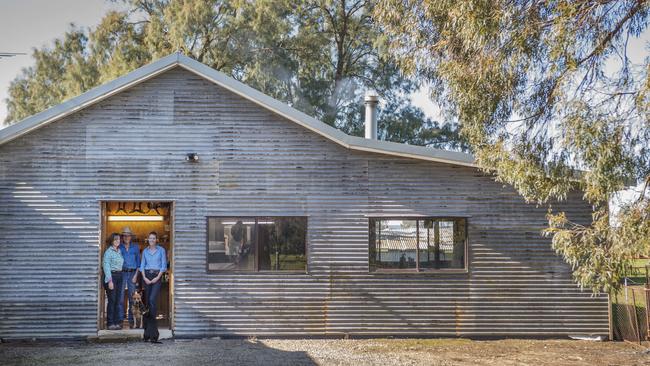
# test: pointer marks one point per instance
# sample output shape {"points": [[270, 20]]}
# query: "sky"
{"points": [[29, 24]]}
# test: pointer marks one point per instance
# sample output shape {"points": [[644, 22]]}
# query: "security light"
{"points": [[192, 157]]}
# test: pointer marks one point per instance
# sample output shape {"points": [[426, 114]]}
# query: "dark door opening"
{"points": [[141, 218]]}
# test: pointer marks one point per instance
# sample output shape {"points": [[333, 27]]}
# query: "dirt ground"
{"points": [[385, 352]]}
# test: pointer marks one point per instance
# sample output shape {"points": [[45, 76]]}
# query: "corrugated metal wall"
{"points": [[252, 162]]}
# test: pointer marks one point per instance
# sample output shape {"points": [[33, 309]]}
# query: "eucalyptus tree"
{"points": [[550, 102]]}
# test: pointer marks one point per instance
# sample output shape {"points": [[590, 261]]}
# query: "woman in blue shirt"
{"points": [[152, 266], [112, 266]]}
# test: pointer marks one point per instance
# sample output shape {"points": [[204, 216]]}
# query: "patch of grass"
{"points": [[412, 344], [638, 273], [638, 279], [638, 298]]}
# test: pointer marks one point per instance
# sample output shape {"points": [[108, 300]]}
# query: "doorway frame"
{"points": [[172, 243]]}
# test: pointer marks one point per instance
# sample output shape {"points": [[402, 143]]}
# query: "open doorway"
{"points": [[140, 218]]}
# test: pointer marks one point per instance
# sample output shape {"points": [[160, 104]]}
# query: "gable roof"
{"points": [[157, 67]]}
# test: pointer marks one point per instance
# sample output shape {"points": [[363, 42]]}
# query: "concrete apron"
{"points": [[125, 335]]}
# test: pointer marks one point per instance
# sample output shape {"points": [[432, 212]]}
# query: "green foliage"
{"points": [[319, 56], [58, 74], [549, 102]]}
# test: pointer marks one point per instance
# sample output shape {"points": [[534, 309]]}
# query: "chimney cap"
{"points": [[371, 98]]}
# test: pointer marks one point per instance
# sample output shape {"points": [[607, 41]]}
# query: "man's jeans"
{"points": [[127, 277]]}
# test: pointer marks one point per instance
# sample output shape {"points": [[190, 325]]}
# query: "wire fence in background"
{"points": [[630, 312]]}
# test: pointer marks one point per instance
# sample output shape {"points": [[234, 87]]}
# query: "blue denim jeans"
{"points": [[152, 291], [126, 278], [112, 310]]}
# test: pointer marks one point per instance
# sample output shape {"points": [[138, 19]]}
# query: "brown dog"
{"points": [[137, 309]]}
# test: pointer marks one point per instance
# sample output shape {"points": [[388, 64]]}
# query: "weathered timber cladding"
{"points": [[253, 162]]}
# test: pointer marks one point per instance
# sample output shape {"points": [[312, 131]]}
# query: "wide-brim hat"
{"points": [[127, 231]]}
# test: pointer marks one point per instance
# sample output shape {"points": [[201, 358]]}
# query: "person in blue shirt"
{"points": [[130, 269], [152, 266]]}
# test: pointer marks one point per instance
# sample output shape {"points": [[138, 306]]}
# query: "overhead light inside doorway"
{"points": [[135, 218]]}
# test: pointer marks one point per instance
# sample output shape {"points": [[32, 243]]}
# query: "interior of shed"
{"points": [[140, 218]]}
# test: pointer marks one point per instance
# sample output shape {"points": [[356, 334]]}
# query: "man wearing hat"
{"points": [[131, 254]]}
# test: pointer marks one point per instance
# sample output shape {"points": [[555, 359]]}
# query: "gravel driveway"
{"points": [[385, 352]]}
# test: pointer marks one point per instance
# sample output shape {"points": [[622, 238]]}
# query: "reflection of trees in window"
{"points": [[282, 244], [253, 244]]}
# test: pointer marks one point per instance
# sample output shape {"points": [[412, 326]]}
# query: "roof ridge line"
{"points": [[177, 58]]}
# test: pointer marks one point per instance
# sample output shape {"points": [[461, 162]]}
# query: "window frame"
{"points": [[417, 270], [256, 270]]}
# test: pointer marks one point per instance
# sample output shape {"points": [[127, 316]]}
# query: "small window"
{"points": [[257, 244], [419, 244]]}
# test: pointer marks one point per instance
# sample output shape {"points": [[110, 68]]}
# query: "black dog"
{"points": [[150, 327]]}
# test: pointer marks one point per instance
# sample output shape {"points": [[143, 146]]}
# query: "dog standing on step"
{"points": [[138, 309]]}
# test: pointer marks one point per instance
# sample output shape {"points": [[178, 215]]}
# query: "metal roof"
{"points": [[157, 67]]}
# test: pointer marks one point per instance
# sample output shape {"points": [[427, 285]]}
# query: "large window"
{"points": [[257, 244], [417, 244]]}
